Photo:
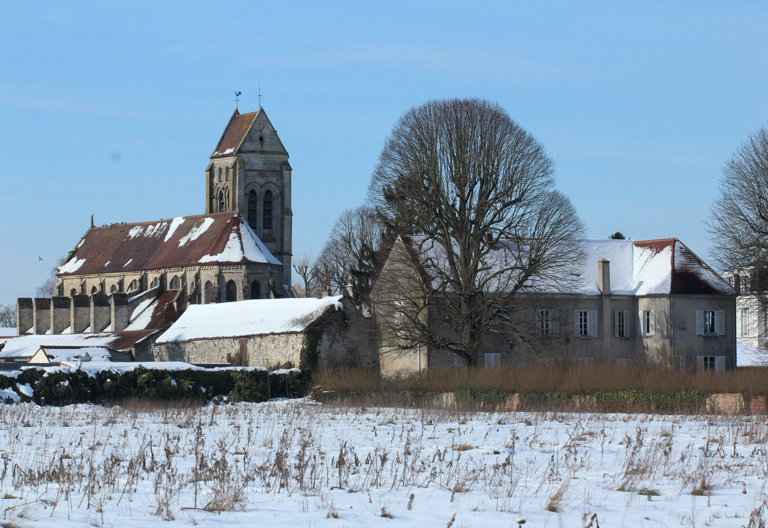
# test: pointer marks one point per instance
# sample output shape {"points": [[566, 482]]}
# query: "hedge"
{"points": [[77, 386]]}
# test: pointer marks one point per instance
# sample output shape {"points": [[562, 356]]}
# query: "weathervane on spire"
{"points": [[237, 100]]}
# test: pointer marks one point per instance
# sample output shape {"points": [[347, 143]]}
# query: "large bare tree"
{"points": [[474, 193], [351, 250], [738, 220]]}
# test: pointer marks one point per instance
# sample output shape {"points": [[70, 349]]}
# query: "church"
{"points": [[135, 276]]}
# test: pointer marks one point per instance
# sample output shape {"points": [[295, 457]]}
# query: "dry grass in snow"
{"points": [[295, 463]]}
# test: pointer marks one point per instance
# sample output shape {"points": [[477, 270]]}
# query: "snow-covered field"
{"points": [[295, 463]]}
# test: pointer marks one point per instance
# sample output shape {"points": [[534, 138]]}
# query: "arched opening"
{"points": [[252, 210], [113, 289], [133, 285], [226, 174], [94, 290], [231, 291], [208, 293], [72, 292], [219, 173], [155, 282], [220, 201], [267, 210], [255, 290], [175, 283]]}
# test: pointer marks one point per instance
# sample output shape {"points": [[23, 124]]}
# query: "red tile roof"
{"points": [[237, 128], [220, 238]]}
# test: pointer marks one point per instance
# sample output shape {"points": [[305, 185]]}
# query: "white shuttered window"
{"points": [[647, 323], [621, 323], [710, 323]]}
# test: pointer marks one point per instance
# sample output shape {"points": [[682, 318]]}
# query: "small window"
{"points": [[252, 209], [209, 297], [94, 290], [647, 323], [132, 286], [72, 292], [543, 322], [113, 289], [492, 359], [399, 307], [745, 286], [226, 174], [621, 323], [746, 322], [455, 360], [255, 290], [175, 283], [219, 173], [583, 323], [231, 291], [681, 320], [710, 322], [710, 363]]}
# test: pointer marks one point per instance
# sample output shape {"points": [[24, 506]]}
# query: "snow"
{"points": [[243, 318], [196, 231], [72, 266], [27, 345], [5, 331], [113, 467], [9, 393], [247, 245], [129, 261], [228, 151], [26, 389], [142, 314], [175, 223], [57, 355], [135, 231]]}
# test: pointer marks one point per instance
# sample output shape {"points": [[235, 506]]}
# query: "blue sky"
{"points": [[112, 108]]}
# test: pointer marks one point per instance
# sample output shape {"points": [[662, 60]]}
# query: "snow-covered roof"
{"points": [[222, 238], [5, 332], [63, 353], [245, 318], [648, 267], [27, 345]]}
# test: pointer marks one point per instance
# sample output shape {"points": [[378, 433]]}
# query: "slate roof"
{"points": [[650, 267], [233, 136], [220, 238]]}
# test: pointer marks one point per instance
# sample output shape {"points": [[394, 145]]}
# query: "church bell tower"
{"points": [[249, 173]]}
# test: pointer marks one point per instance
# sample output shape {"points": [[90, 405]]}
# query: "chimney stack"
{"points": [[604, 276]]}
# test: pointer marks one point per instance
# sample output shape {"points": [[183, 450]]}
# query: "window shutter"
{"points": [[556, 322], [720, 323], [616, 323], [576, 323], [700, 326], [719, 363], [593, 323], [700, 360], [652, 323], [641, 324], [626, 323], [681, 321]]}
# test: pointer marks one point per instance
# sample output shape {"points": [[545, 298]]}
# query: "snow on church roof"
{"points": [[245, 318], [222, 238], [233, 136]]}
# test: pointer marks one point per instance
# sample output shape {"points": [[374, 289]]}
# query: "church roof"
{"points": [[220, 238], [237, 128]]}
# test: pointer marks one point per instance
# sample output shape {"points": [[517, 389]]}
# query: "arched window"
{"points": [[72, 292], [155, 282], [267, 210], [219, 173], [94, 290], [252, 210], [227, 174], [255, 290], [208, 290], [231, 291], [113, 289], [132, 285], [175, 283], [220, 201]]}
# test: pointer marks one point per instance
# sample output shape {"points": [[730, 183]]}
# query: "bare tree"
{"points": [[351, 250], [305, 268], [47, 287], [476, 193], [7, 316]]}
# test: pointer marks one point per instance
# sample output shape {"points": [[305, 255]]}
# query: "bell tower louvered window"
{"points": [[252, 210], [268, 210]]}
